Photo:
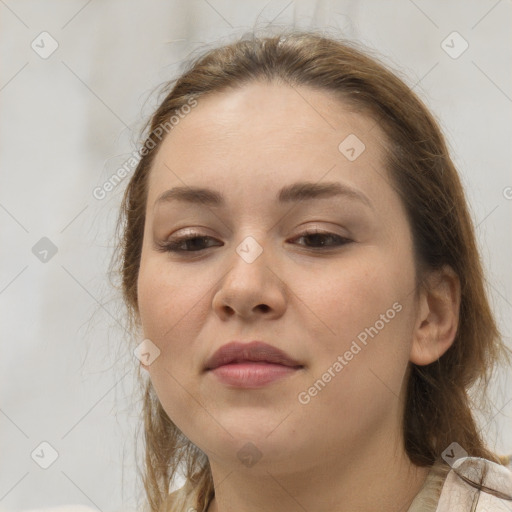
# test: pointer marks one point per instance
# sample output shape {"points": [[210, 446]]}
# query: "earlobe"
{"points": [[437, 316]]}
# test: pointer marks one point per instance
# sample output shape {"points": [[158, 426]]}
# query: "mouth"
{"points": [[250, 365]]}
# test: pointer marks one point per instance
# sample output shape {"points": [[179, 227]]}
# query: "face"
{"points": [[323, 272]]}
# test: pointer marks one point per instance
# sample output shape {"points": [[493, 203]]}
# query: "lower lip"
{"points": [[252, 375]]}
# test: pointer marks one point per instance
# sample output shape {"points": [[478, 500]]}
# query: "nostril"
{"points": [[228, 310], [264, 307]]}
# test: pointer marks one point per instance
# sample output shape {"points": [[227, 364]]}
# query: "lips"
{"points": [[255, 351], [253, 365]]}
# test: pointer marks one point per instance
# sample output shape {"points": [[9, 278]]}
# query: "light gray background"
{"points": [[69, 121]]}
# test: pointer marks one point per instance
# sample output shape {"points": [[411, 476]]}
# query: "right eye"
{"points": [[187, 243]]}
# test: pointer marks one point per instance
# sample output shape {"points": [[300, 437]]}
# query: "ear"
{"points": [[437, 316]]}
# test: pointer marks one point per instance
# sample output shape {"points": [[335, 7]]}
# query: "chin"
{"points": [[231, 433]]}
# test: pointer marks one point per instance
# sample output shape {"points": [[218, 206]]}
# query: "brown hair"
{"points": [[438, 409]]}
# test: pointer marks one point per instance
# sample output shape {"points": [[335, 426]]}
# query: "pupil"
{"points": [[318, 239]]}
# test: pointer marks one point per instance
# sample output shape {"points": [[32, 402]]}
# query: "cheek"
{"points": [[364, 313], [166, 291], [352, 293], [360, 349], [171, 306], [171, 309]]}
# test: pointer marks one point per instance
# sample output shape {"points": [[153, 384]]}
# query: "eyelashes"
{"points": [[321, 237], [198, 243], [176, 244]]}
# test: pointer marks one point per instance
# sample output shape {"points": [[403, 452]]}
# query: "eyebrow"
{"points": [[299, 191]]}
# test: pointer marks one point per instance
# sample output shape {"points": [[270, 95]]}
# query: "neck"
{"points": [[377, 477]]}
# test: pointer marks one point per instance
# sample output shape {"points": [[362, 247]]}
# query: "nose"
{"points": [[250, 290]]}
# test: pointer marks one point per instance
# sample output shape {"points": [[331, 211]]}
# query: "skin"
{"points": [[312, 303]]}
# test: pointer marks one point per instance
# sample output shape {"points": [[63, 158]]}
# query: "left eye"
{"points": [[319, 239]]}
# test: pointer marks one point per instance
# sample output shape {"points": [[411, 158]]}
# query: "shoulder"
{"points": [[468, 481], [473, 480]]}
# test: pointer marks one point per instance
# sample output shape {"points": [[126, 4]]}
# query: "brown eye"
{"points": [[319, 239], [190, 243]]}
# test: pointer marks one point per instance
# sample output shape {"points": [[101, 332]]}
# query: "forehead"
{"points": [[262, 135]]}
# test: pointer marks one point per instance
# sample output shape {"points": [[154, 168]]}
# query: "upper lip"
{"points": [[236, 352]]}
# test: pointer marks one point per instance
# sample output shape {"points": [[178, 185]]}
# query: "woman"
{"points": [[298, 256]]}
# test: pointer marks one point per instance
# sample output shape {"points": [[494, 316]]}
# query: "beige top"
{"points": [[442, 491], [428, 496]]}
